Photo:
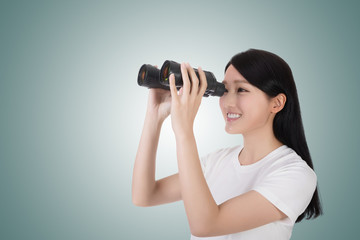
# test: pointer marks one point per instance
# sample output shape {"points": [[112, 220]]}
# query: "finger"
{"points": [[181, 91], [173, 89], [203, 81], [194, 80], [186, 81]]}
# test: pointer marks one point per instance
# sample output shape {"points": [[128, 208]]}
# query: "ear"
{"points": [[278, 103]]}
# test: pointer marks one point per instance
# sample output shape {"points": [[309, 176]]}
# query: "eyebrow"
{"points": [[236, 81]]}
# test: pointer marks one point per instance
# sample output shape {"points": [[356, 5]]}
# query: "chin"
{"points": [[231, 130]]}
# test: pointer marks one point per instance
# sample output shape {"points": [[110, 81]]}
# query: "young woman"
{"points": [[257, 190]]}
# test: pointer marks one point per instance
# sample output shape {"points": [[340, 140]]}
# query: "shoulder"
{"points": [[221, 153], [225, 151], [287, 162], [288, 182]]}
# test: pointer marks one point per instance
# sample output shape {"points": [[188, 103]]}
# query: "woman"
{"points": [[257, 190]]}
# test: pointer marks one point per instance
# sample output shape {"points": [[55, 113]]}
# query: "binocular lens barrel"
{"points": [[168, 68], [151, 77], [214, 88]]}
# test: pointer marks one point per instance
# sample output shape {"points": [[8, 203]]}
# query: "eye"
{"points": [[242, 90]]}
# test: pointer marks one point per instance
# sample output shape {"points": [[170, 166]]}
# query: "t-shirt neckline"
{"points": [[257, 164]]}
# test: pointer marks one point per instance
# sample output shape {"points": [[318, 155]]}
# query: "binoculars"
{"points": [[151, 77]]}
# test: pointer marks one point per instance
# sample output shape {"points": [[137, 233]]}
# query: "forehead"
{"points": [[233, 76]]}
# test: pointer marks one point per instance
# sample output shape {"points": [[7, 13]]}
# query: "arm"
{"points": [[145, 190], [205, 217]]}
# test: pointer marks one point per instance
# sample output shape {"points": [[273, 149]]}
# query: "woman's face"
{"points": [[245, 108]]}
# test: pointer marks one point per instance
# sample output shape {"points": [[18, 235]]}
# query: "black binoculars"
{"points": [[151, 77]]}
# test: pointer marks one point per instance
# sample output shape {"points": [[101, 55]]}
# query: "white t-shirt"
{"points": [[282, 177]]}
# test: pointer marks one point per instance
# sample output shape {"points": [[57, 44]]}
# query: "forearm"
{"points": [[143, 182], [201, 208]]}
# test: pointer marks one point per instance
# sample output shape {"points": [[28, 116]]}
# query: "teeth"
{"points": [[233, 115]]}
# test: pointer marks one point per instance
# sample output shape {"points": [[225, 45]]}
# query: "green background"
{"points": [[72, 113]]}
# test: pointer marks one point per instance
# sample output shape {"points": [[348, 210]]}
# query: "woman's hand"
{"points": [[159, 103], [185, 104]]}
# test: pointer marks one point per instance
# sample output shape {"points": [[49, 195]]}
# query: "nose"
{"points": [[228, 100]]}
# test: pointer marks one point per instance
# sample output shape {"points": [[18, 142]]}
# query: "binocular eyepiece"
{"points": [[151, 77]]}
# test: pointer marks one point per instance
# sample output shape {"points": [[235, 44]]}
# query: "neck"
{"points": [[257, 145]]}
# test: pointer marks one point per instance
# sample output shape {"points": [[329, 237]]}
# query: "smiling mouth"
{"points": [[233, 116]]}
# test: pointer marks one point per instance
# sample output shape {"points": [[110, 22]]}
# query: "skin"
{"points": [[205, 217], [257, 112]]}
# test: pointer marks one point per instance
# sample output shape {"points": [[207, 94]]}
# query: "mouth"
{"points": [[233, 116]]}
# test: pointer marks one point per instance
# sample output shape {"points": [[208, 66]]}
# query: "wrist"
{"points": [[184, 135], [154, 117]]}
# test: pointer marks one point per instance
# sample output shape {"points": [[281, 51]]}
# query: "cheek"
{"points": [[245, 104], [221, 103], [259, 109]]}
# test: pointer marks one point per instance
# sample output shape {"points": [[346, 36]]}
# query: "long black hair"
{"points": [[272, 75]]}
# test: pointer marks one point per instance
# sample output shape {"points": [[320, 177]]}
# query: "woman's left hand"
{"points": [[186, 103]]}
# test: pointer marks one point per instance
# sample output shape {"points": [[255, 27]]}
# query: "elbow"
{"points": [[200, 233], [138, 198], [201, 230], [140, 202], [141, 197], [205, 224], [137, 203]]}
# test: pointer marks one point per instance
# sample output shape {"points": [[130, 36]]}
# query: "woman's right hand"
{"points": [[159, 103]]}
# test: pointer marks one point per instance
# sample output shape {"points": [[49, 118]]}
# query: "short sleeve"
{"points": [[203, 161], [290, 188]]}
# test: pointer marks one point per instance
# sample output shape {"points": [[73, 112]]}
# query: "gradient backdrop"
{"points": [[72, 113]]}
